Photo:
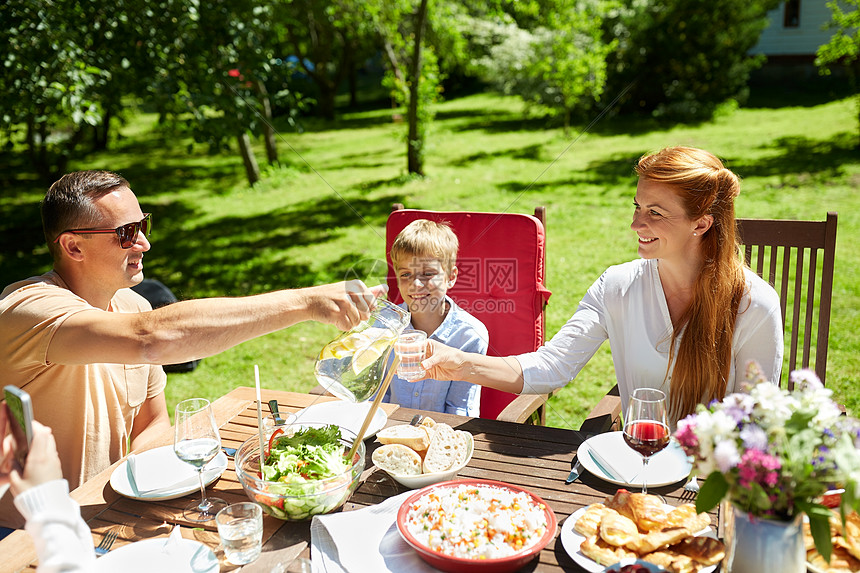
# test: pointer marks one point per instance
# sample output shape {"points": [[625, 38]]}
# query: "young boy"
{"points": [[424, 257]]}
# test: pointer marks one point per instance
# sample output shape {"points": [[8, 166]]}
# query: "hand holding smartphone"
{"points": [[20, 409]]}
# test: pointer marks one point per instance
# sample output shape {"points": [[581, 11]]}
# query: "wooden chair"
{"points": [[786, 254], [797, 259], [502, 266]]}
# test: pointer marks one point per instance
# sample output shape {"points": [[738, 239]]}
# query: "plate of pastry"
{"points": [[630, 526]]}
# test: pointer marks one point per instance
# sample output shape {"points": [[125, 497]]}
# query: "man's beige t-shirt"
{"points": [[89, 407]]}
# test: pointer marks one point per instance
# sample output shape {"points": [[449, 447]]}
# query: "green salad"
{"points": [[304, 473]]}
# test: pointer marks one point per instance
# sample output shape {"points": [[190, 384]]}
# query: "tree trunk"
{"points": [[101, 131], [415, 139], [326, 102], [352, 78], [252, 170], [268, 129]]}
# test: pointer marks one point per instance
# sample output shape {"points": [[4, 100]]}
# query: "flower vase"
{"points": [[757, 545]]}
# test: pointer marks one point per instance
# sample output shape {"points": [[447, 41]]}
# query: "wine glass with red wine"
{"points": [[646, 429]]}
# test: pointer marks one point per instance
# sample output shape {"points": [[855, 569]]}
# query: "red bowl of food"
{"points": [[476, 525]]}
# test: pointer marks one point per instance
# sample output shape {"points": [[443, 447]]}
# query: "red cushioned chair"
{"points": [[501, 280]]}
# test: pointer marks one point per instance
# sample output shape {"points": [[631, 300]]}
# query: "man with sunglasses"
{"points": [[87, 348]]}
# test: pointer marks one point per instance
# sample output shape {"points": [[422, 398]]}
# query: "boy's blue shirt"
{"points": [[459, 330]]}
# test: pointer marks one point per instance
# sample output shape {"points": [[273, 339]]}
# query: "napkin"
{"points": [[159, 470], [619, 460], [364, 541]]}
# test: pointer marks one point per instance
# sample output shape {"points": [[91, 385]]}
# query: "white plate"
{"points": [[120, 482], [665, 467], [571, 540], [349, 415], [148, 555]]}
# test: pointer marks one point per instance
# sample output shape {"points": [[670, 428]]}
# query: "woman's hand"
{"points": [[42, 464], [445, 363]]}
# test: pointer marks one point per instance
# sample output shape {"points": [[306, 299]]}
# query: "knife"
{"points": [[574, 473]]}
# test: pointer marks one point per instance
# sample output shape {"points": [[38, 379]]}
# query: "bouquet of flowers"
{"points": [[774, 452]]}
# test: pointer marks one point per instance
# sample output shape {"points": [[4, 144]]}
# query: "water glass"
{"points": [[410, 347], [240, 527]]}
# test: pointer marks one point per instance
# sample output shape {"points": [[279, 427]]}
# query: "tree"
{"points": [[49, 87], [844, 47], [328, 39], [681, 59], [559, 64], [217, 69]]}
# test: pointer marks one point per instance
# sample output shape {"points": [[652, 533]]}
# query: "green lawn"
{"points": [[321, 216]]}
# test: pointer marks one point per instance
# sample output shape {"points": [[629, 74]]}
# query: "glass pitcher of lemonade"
{"points": [[352, 365]]}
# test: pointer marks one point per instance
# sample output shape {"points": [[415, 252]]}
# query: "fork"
{"points": [[691, 489], [106, 543]]}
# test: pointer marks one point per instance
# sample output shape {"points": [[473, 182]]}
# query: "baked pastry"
{"points": [[588, 524], [705, 550], [618, 530], [671, 561], [654, 540], [645, 510], [685, 516], [602, 553]]}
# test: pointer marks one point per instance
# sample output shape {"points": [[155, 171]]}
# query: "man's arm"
{"points": [[151, 420], [193, 329]]}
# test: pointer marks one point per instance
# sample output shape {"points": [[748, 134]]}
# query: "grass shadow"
{"points": [[817, 158]]}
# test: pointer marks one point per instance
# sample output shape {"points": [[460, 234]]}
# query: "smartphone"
{"points": [[20, 409]]}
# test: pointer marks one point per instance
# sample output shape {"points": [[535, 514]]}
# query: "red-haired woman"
{"points": [[686, 317]]}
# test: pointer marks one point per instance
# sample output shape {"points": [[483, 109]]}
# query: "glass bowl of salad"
{"points": [[304, 472]]}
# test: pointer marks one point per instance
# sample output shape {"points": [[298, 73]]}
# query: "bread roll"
{"points": [[448, 447], [414, 437], [397, 459]]}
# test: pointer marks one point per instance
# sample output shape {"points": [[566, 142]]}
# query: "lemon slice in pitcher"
{"points": [[365, 357]]}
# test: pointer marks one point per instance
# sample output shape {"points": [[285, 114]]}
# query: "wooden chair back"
{"points": [[797, 259]]}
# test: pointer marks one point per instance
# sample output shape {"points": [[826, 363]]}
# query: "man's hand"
{"points": [[43, 461], [343, 304]]}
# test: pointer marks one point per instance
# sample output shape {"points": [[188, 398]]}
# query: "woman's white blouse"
{"points": [[627, 306]]}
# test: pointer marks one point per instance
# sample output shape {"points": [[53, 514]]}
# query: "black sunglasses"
{"points": [[127, 233]]}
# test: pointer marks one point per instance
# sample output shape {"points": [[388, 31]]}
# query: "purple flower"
{"points": [[754, 437], [805, 378]]}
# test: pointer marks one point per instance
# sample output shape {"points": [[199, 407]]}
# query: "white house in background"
{"points": [[797, 28]]}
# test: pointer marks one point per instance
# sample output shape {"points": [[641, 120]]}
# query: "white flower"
{"points": [[726, 455], [773, 405]]}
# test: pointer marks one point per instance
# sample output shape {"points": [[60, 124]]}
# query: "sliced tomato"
{"points": [[270, 501], [274, 435]]}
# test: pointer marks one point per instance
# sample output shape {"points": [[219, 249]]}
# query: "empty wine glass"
{"points": [[196, 441], [645, 426]]}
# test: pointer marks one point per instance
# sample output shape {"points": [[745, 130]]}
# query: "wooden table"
{"points": [[534, 457]]}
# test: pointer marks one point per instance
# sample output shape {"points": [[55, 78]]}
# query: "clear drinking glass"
{"points": [[352, 365], [196, 441], [645, 426], [410, 348], [240, 527]]}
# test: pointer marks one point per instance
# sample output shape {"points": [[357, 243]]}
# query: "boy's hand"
{"points": [[43, 461]]}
